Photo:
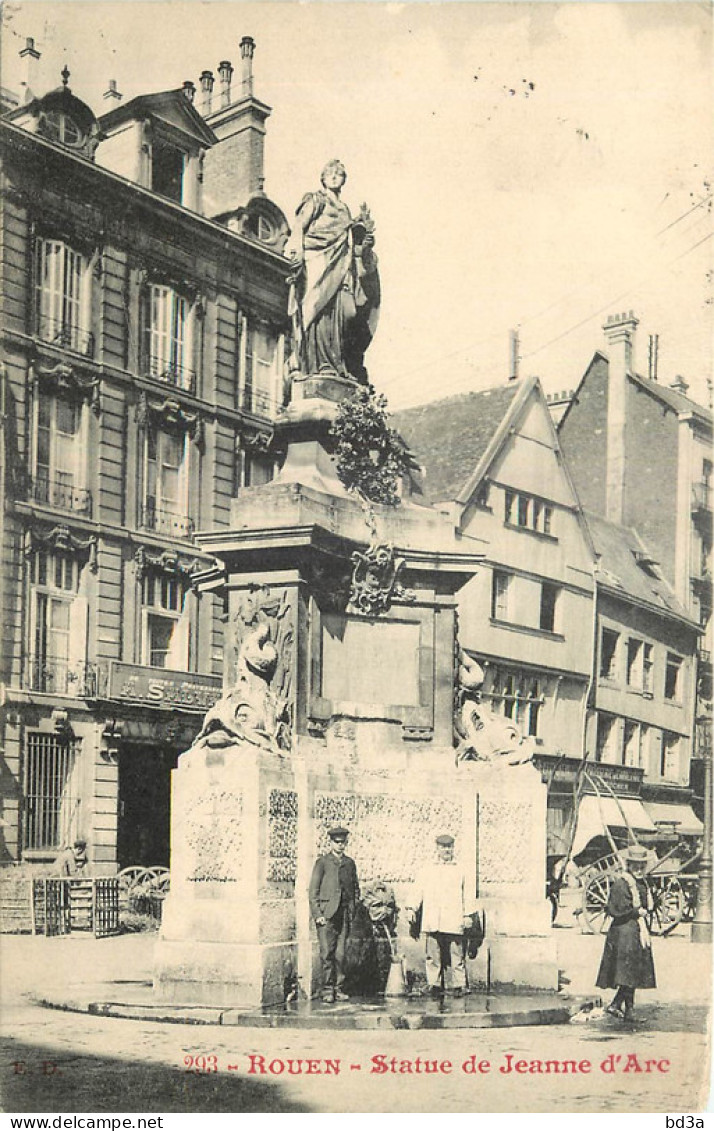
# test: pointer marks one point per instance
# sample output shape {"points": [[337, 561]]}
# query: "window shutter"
{"points": [[78, 618], [177, 656]]}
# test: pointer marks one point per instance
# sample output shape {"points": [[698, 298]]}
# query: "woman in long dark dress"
{"points": [[627, 958]]}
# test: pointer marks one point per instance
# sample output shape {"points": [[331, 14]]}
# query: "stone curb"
{"points": [[394, 1019]]}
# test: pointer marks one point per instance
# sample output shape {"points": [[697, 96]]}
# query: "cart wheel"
{"points": [[667, 908], [595, 896], [159, 879], [130, 877]]}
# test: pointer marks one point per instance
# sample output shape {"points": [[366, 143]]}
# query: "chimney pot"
{"points": [[29, 48], [207, 81], [30, 55], [112, 91], [225, 70], [247, 47], [189, 90]]}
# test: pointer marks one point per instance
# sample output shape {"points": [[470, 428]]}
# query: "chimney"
{"points": [[680, 385], [247, 48], [189, 90], [620, 336], [207, 81], [225, 73], [112, 92], [31, 56], [514, 355], [233, 169]]}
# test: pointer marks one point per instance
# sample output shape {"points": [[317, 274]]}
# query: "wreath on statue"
{"points": [[370, 456]]}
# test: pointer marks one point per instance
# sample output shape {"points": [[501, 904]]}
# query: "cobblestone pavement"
{"points": [[67, 1062]]}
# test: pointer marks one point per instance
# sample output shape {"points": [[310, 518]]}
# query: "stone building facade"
{"points": [[641, 456], [143, 346], [556, 587]]}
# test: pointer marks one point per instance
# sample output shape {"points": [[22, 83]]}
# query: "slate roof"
{"points": [[147, 104], [618, 548], [674, 400], [449, 437]]}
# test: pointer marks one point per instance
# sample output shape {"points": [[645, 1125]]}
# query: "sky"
{"points": [[531, 167]]}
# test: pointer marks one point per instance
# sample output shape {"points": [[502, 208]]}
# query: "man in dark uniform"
{"points": [[334, 890]]}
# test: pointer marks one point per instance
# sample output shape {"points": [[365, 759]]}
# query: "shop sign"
{"points": [[158, 687]]}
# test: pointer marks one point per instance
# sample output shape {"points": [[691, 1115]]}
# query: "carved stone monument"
{"points": [[346, 702]]}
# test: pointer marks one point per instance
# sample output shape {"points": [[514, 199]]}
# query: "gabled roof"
{"points": [[674, 400], [164, 105], [626, 567], [449, 438]]}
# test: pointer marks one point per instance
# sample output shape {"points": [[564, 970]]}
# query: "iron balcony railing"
{"points": [[258, 402], [54, 492], [81, 679], [171, 373], [60, 332], [163, 521]]}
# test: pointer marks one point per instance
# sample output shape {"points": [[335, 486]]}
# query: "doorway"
{"points": [[144, 818]]}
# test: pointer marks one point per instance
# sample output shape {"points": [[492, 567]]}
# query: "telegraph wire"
{"points": [[623, 294], [395, 381]]}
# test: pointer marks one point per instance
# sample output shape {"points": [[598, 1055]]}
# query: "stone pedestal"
{"points": [[248, 826], [228, 932]]}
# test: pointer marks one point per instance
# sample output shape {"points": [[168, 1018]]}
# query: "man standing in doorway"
{"points": [[334, 891], [446, 912]]}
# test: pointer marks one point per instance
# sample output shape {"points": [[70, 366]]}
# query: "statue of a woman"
{"points": [[335, 283]]}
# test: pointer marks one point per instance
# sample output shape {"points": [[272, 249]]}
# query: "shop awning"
{"points": [[594, 813], [679, 819]]}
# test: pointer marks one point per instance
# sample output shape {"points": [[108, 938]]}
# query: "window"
{"points": [[482, 494], [58, 126], [260, 227], [165, 483], [499, 594], [167, 168], [635, 650], [517, 695], [608, 654], [57, 625], [62, 296], [257, 470], [165, 627], [548, 603], [528, 512], [59, 455], [50, 787], [647, 668], [169, 337], [259, 384], [606, 750], [670, 757], [673, 677]]}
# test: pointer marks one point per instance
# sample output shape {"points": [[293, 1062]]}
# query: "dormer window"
{"points": [[60, 127], [167, 169], [260, 227]]}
